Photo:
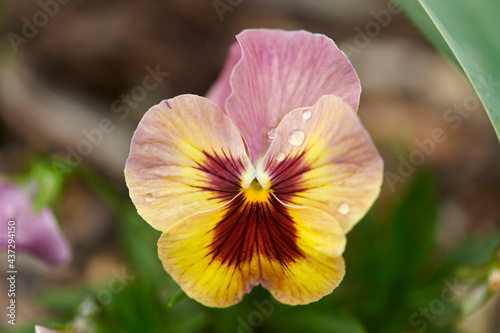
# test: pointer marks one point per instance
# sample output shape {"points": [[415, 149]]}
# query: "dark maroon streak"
{"points": [[223, 174], [250, 229], [286, 176]]}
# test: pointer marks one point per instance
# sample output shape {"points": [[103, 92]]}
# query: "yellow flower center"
{"points": [[255, 192]]}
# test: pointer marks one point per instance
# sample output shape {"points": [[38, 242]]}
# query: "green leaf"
{"points": [[65, 298], [176, 299], [412, 229], [473, 251], [49, 183], [293, 321], [470, 30]]}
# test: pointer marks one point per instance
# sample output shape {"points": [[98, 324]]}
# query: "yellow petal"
{"points": [[322, 157], [218, 256], [186, 157]]}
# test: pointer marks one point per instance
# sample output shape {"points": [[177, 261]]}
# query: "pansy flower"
{"points": [[37, 233], [259, 182]]}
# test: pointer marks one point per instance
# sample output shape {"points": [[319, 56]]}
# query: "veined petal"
{"points": [[220, 90], [218, 256], [280, 71], [322, 157], [186, 157]]}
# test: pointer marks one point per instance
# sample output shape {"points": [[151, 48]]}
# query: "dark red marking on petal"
{"points": [[223, 174], [253, 228], [286, 177]]}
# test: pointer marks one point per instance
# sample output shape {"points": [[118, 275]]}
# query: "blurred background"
{"points": [[67, 65]]}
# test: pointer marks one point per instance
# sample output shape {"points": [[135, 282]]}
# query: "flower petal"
{"points": [[218, 256], [186, 157], [322, 157], [220, 90], [41, 329], [281, 71], [37, 233]]}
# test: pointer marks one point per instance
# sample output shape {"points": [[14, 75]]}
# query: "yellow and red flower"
{"points": [[259, 182]]}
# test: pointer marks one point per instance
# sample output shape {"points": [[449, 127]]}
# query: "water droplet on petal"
{"points": [[149, 197], [280, 157], [344, 208], [306, 114], [296, 137], [271, 133]]}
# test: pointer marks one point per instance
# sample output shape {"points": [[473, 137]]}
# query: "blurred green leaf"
{"points": [[139, 242], [139, 309], [412, 229], [410, 239], [67, 298], [475, 250], [49, 184], [470, 30], [316, 322], [176, 299], [387, 254]]}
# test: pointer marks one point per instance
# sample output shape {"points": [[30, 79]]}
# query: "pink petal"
{"points": [[281, 71], [41, 329], [220, 90], [37, 233]]}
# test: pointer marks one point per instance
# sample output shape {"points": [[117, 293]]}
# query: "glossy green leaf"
{"points": [[470, 30]]}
